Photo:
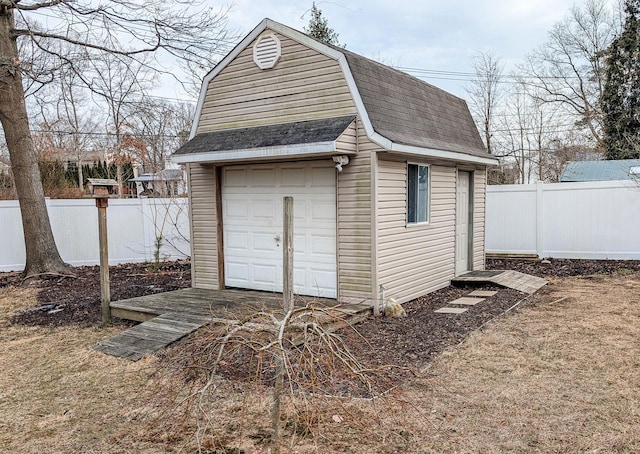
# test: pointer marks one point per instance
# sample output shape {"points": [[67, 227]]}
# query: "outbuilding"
{"points": [[387, 172]]}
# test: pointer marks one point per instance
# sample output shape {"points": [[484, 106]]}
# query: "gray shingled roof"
{"points": [[298, 133], [409, 111], [600, 170]]}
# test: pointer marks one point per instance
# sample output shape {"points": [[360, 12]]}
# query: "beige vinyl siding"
{"points": [[355, 265], [479, 197], [348, 141], [303, 85], [415, 260], [202, 201]]}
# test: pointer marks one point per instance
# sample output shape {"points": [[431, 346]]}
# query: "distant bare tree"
{"points": [[569, 69], [163, 127], [485, 93], [119, 85]]}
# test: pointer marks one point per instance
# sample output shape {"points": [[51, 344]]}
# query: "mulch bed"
{"points": [[412, 341], [564, 267], [409, 343], [76, 301]]}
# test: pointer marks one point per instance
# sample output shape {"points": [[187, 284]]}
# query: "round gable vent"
{"points": [[266, 51]]}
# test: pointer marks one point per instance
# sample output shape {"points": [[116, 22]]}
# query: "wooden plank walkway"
{"points": [[511, 279], [168, 317]]}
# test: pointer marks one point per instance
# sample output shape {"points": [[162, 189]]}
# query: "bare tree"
{"points": [[515, 134], [162, 126], [485, 93], [119, 85], [569, 69], [130, 30]]}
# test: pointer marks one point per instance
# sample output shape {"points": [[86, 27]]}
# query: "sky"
{"points": [[435, 35]]}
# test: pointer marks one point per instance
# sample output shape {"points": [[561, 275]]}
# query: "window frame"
{"points": [[416, 195]]}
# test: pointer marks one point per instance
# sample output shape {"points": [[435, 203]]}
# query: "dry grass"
{"points": [[558, 376], [58, 395]]}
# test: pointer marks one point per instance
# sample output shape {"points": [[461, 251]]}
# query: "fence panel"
{"points": [[591, 220], [139, 230]]}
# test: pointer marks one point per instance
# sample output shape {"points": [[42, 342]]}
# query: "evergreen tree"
{"points": [[621, 96], [319, 29]]}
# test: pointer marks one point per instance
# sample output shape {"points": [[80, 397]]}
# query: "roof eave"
{"points": [[432, 153], [311, 150]]}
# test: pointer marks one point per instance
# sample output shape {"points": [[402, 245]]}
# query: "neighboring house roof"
{"points": [[261, 140], [399, 112], [102, 181], [163, 175], [624, 169]]}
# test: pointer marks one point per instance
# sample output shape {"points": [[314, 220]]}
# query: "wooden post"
{"points": [[105, 293], [287, 254]]}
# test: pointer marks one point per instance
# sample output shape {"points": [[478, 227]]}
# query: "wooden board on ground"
{"points": [[170, 316], [510, 279]]}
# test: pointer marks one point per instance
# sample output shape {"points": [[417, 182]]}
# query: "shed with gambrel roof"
{"points": [[388, 173]]}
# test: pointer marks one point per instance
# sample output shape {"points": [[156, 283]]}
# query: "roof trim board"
{"points": [[429, 152], [308, 150]]}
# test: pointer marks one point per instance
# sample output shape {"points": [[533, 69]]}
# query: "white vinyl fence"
{"points": [[133, 226], [593, 220]]}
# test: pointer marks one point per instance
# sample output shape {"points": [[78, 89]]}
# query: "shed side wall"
{"points": [[415, 260], [303, 85], [202, 197], [355, 265]]}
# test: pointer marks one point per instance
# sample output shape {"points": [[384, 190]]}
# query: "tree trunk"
{"points": [[42, 253], [80, 174]]}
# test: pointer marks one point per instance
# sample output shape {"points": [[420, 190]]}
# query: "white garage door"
{"points": [[252, 222]]}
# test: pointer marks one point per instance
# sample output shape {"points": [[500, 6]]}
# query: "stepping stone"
{"points": [[467, 301], [451, 310], [483, 293]]}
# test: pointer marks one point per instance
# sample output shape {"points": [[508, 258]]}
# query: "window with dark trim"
{"points": [[417, 194]]}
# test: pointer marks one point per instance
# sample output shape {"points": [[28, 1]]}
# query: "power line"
{"points": [[103, 134]]}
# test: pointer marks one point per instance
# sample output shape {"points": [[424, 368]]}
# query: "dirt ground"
{"points": [[66, 301], [557, 374]]}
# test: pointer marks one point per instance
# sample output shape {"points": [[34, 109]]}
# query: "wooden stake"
{"points": [[105, 292], [287, 254]]}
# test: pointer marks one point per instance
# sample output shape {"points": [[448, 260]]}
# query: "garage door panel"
{"points": [[320, 176], [322, 211], [263, 177], [293, 177], [263, 210], [250, 232], [235, 178], [265, 275], [299, 279], [322, 282], [235, 211], [300, 212], [264, 242], [238, 271], [323, 246], [237, 241], [300, 247]]}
